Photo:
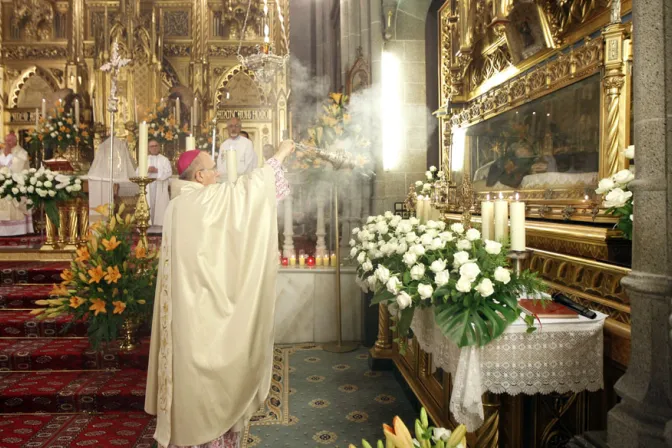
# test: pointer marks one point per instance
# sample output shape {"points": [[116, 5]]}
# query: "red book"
{"points": [[549, 309]]}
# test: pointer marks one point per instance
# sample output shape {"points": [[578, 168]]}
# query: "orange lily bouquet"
{"points": [[109, 280], [60, 130], [398, 435], [162, 125]]}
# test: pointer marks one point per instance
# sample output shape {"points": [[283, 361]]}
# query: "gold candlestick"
{"points": [[142, 215]]}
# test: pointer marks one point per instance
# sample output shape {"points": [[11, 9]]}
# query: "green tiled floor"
{"points": [[334, 400]]}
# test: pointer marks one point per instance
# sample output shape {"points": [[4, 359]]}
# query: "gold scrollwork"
{"points": [[21, 52], [177, 50], [176, 23]]}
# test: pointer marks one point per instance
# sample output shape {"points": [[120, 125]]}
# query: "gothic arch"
{"points": [[25, 76], [226, 78], [169, 76]]}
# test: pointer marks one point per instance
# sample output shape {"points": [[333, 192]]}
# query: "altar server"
{"points": [[247, 158], [158, 196], [211, 351], [14, 219]]}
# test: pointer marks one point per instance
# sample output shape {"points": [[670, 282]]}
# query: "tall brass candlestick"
{"points": [[142, 215]]}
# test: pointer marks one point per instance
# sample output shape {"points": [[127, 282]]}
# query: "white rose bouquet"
{"points": [[432, 177], [465, 278], [42, 186], [617, 197]]}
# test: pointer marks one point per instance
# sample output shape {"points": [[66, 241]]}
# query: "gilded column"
{"points": [[76, 47], [383, 346], [613, 137]]}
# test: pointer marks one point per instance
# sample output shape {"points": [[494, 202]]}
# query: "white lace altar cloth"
{"points": [[562, 356]]}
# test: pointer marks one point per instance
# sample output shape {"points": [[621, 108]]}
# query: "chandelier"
{"points": [[264, 63]]}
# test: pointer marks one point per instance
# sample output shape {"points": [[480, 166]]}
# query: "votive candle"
{"points": [[44, 108], [517, 225], [292, 260], [427, 209], [177, 112], [37, 118], [333, 260], [302, 260], [501, 219], [318, 260], [77, 111], [419, 208], [487, 219]]}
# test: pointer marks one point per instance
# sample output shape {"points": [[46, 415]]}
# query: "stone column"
{"points": [[320, 229], [644, 416], [288, 245]]}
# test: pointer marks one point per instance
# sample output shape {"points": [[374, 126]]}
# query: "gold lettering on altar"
{"points": [[245, 114]]}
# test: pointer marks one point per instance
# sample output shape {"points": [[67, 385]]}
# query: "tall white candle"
{"points": [[501, 219], [195, 111], [191, 142], [177, 111], [419, 207], [37, 118], [487, 219], [232, 165], [214, 140], [142, 150], [427, 209], [76, 111], [93, 108], [517, 225], [44, 108]]}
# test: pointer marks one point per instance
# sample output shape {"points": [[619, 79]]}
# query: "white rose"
{"points": [[418, 183], [380, 218], [42, 193], [355, 231], [48, 184], [437, 243], [446, 236], [414, 221], [31, 189], [22, 190], [32, 181], [426, 239], [502, 275], [367, 266], [438, 266], [485, 287], [39, 184], [409, 258], [50, 176], [383, 274], [388, 215], [432, 168], [396, 219], [441, 434], [442, 226], [382, 228], [29, 201], [629, 152], [422, 228], [403, 300], [361, 257], [473, 234], [393, 308], [418, 271], [470, 270], [411, 237], [441, 174], [78, 181], [417, 249], [617, 198], [432, 224], [426, 187], [463, 284], [372, 281], [441, 278], [76, 187], [402, 248], [457, 228], [493, 247], [403, 227], [459, 258], [353, 243], [425, 291], [623, 177], [631, 219], [370, 219], [353, 252], [15, 190], [428, 175], [464, 244], [52, 193], [394, 285], [375, 254]]}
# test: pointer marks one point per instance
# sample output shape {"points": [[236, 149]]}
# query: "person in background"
{"points": [[158, 168], [247, 158], [14, 219]]}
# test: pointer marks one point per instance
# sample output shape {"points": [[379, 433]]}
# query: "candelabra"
{"points": [[142, 215], [518, 256]]}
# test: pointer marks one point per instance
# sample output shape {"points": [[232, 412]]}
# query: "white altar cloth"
{"points": [[561, 356]]}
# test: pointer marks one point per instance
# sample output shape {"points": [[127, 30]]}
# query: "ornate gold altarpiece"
{"points": [[53, 49], [499, 60]]}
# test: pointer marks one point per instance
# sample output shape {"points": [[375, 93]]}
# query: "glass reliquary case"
{"points": [[535, 103]]}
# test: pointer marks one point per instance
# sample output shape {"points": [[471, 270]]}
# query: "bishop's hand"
{"points": [[284, 150]]}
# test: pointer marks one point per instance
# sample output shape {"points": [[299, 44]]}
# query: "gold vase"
{"points": [[128, 340], [73, 228], [50, 230], [62, 225], [83, 222]]}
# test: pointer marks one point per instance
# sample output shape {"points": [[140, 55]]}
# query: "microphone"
{"points": [[569, 303]]}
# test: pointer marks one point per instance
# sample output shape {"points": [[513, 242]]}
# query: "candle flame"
{"points": [[501, 196], [517, 196], [585, 197], [488, 197]]}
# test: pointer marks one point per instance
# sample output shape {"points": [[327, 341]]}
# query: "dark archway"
{"points": [[432, 78]]}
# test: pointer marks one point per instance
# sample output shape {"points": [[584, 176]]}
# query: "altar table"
{"points": [[561, 356]]}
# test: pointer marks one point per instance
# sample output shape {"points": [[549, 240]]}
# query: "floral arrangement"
{"points": [[463, 277], [109, 280], [43, 186], [617, 197], [398, 435], [432, 177], [60, 131], [334, 130], [162, 125], [204, 139]]}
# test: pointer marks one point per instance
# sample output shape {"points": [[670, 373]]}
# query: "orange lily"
{"points": [[119, 307], [112, 275], [111, 244], [59, 290], [399, 436], [98, 306], [96, 274], [75, 301], [140, 251], [67, 275], [103, 209]]}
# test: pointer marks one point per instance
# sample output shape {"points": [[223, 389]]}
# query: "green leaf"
{"points": [[51, 210], [406, 278], [382, 296]]}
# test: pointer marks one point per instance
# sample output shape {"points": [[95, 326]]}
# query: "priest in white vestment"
{"points": [[211, 351], [157, 192], [247, 158], [14, 219], [99, 174]]}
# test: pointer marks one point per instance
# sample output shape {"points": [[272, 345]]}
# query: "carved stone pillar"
{"points": [[644, 416], [320, 228], [288, 245]]}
